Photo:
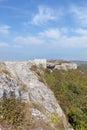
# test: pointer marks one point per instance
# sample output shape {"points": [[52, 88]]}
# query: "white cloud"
{"points": [[28, 40], [3, 44], [44, 15], [51, 33], [61, 38], [55, 37], [80, 14], [76, 42], [54, 33], [4, 29], [82, 32]]}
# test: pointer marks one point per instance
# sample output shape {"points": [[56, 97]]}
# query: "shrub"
{"points": [[70, 89], [74, 89], [75, 117]]}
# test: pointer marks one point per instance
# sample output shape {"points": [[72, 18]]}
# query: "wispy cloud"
{"points": [[8, 7], [3, 44], [44, 15], [81, 31], [4, 29], [80, 14], [50, 33], [59, 37], [76, 42], [29, 40], [54, 37], [54, 33]]}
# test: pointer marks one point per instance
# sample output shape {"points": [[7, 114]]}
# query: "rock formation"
{"points": [[61, 65], [17, 80]]}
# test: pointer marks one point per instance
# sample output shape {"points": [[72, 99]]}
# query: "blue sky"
{"points": [[52, 29]]}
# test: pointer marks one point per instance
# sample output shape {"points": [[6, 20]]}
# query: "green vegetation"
{"points": [[70, 89], [55, 119], [14, 113]]}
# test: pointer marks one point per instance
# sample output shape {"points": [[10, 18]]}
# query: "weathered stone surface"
{"points": [[39, 115], [39, 62], [66, 66], [61, 65], [37, 93]]}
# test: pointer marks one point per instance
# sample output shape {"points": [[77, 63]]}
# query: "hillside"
{"points": [[25, 102], [70, 89], [33, 97]]}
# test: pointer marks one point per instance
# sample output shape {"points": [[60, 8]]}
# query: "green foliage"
{"points": [[76, 118], [70, 88], [53, 117], [56, 120]]}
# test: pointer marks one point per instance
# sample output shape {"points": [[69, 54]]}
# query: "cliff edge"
{"points": [[19, 81]]}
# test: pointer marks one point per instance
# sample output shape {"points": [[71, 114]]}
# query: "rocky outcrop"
{"points": [[39, 62], [24, 84], [61, 65], [66, 66]]}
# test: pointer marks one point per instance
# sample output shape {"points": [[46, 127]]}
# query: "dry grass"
{"points": [[4, 70], [14, 114], [37, 123], [34, 68], [24, 87]]}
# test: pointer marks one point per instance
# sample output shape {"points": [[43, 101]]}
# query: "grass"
{"points": [[14, 113]]}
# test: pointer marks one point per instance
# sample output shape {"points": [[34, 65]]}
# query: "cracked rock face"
{"points": [[37, 93]]}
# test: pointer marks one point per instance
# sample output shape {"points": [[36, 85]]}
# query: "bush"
{"points": [[70, 89], [74, 89], [76, 118]]}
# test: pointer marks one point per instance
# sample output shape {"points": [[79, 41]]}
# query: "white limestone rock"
{"points": [[37, 92]]}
